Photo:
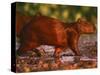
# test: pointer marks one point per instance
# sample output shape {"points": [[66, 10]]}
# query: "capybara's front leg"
{"points": [[57, 52], [74, 48], [73, 43]]}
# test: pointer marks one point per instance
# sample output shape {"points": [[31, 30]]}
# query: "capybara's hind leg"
{"points": [[24, 48]]}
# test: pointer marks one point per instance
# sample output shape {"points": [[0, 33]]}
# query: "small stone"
{"points": [[45, 66], [26, 69]]}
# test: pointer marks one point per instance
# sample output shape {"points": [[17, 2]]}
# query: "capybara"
{"points": [[43, 30]]}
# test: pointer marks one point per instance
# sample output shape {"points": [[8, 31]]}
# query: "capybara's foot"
{"points": [[76, 59], [79, 54], [37, 52]]}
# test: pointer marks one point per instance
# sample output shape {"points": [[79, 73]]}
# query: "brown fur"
{"points": [[73, 32], [21, 20], [43, 30]]}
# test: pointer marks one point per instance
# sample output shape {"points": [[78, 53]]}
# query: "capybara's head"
{"points": [[85, 27]]}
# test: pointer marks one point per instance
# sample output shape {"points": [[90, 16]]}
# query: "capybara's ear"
{"points": [[79, 20], [38, 14]]}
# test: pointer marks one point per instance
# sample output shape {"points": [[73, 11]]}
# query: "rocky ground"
{"points": [[32, 63]]}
